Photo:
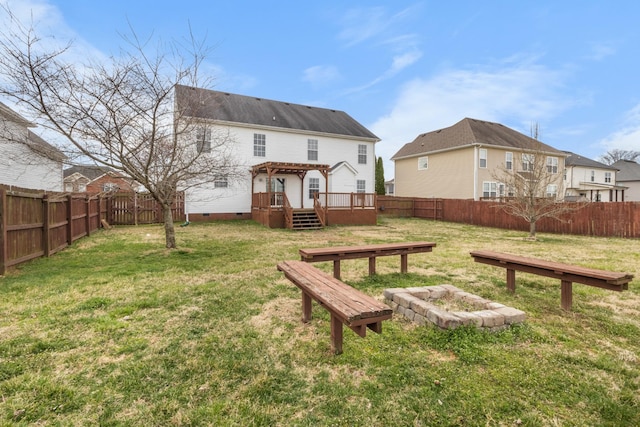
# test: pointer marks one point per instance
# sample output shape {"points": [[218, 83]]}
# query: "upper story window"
{"points": [[361, 186], [314, 187], [259, 145], [423, 163], [110, 187], [508, 160], [552, 164], [607, 177], [527, 161], [483, 157], [362, 154], [593, 176], [312, 149], [203, 140]]}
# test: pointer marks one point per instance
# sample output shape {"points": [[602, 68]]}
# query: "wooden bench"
{"points": [[338, 253], [346, 305], [568, 274]]}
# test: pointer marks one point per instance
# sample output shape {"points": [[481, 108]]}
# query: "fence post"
{"points": [[87, 220], [69, 219], [46, 229], [3, 231]]}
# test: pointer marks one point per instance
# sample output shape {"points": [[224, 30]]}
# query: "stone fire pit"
{"points": [[449, 307]]}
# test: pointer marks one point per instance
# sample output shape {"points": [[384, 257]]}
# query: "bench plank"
{"points": [[566, 273], [345, 304]]}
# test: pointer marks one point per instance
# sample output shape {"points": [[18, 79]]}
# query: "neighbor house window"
{"points": [[607, 177], [552, 164], [508, 160], [312, 149], [527, 162], [203, 140], [110, 187], [489, 189], [483, 157], [361, 186], [593, 176], [362, 154], [221, 182], [423, 163], [259, 145], [314, 187], [552, 190]]}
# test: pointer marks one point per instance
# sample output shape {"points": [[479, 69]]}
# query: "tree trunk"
{"points": [[532, 230], [169, 230]]}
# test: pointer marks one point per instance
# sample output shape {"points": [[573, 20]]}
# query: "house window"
{"points": [[489, 189], [110, 187], [361, 185], [259, 145], [221, 182], [312, 149], [552, 164], [203, 140], [314, 187], [593, 176], [508, 160], [362, 154], [552, 190], [527, 162], [607, 177], [423, 163], [483, 157]]}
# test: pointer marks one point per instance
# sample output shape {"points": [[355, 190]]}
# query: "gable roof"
{"points": [[247, 110], [577, 160], [89, 171], [467, 133], [12, 116], [628, 170]]}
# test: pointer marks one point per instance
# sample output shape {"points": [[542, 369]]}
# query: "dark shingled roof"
{"points": [[90, 171], [227, 107], [628, 170], [577, 160], [468, 132]]}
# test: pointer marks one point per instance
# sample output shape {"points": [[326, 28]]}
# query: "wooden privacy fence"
{"points": [[604, 219], [34, 225]]}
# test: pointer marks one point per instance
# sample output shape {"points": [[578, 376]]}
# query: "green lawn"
{"points": [[118, 331]]}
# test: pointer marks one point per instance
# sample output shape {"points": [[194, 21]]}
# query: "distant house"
{"points": [[463, 160], [587, 179], [389, 187], [289, 151], [95, 179], [629, 176], [27, 160]]}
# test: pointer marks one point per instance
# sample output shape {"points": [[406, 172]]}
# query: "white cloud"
{"points": [[321, 75], [600, 51], [628, 137], [514, 95]]}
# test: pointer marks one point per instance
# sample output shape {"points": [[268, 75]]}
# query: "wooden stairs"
{"points": [[306, 219]]}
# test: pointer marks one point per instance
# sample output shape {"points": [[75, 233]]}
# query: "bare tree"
{"points": [[120, 112], [612, 156], [534, 188]]}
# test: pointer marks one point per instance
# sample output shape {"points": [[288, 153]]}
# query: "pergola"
{"points": [[299, 169]]}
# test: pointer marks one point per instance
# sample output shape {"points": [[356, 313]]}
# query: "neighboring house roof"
{"points": [[90, 171], [247, 110], [577, 160], [12, 116], [467, 133], [628, 170]]}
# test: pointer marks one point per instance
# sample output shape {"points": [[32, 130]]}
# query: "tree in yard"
{"points": [[380, 177], [119, 112], [534, 189], [612, 156]]}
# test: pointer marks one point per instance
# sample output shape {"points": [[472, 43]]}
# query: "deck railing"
{"points": [[347, 200]]}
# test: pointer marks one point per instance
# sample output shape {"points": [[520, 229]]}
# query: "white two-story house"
{"points": [[589, 180], [293, 155], [26, 160]]}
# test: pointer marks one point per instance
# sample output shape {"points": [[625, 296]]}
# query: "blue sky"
{"points": [[402, 68]]}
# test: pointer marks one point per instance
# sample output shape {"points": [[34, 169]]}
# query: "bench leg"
{"points": [[372, 266], [336, 335], [566, 295], [375, 327], [403, 263], [336, 269], [306, 307], [511, 280]]}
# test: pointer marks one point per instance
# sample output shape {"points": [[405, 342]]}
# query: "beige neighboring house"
{"points": [[629, 175], [461, 161], [589, 180]]}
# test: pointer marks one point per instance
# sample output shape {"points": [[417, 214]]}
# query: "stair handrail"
{"points": [[288, 211], [320, 211]]}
